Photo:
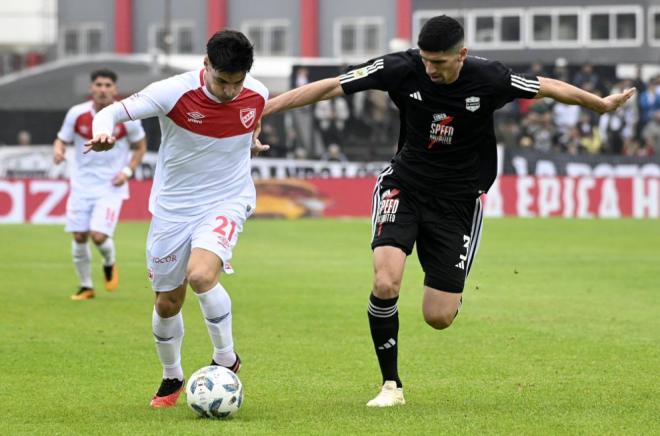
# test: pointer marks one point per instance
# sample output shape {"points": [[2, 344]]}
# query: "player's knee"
{"points": [[98, 238], [201, 278], [439, 320], [386, 286], [168, 304], [79, 237]]}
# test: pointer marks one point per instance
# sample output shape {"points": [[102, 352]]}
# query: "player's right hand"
{"points": [[102, 142], [615, 101], [59, 156]]}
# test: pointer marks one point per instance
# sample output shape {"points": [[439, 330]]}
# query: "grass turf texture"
{"points": [[559, 334]]}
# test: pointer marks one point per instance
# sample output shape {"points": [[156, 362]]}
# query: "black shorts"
{"points": [[447, 232]]}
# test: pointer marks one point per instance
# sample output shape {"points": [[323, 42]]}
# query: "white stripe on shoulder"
{"points": [[256, 86], [530, 86], [524, 88], [81, 108], [523, 81], [189, 79]]}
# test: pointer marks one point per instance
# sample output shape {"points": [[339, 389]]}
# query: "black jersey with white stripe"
{"points": [[447, 141]]}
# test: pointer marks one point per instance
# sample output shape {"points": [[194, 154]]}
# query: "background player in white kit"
{"points": [[202, 192], [98, 182]]}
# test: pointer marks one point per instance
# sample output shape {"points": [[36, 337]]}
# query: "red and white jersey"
{"points": [[92, 173], [204, 155]]}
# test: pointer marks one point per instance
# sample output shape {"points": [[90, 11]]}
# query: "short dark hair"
{"points": [[440, 34], [230, 51], [104, 72]]}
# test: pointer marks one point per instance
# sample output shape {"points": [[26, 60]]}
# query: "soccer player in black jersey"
{"points": [[446, 158]]}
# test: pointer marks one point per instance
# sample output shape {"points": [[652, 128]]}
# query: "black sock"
{"points": [[384, 324]]}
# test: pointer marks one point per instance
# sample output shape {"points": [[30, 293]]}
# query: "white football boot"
{"points": [[389, 396]]}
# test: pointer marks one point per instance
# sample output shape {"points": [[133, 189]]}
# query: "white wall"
{"points": [[26, 24]]}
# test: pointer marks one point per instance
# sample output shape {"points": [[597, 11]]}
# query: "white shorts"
{"points": [[169, 243], [96, 214]]}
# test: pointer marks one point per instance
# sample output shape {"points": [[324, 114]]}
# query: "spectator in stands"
{"points": [[651, 135], [24, 138], [508, 132], [334, 154], [560, 71], [587, 135], [565, 118], [300, 153], [649, 101], [331, 117], [638, 81], [611, 128], [537, 69], [539, 131], [271, 137], [588, 75], [630, 113], [302, 77]]}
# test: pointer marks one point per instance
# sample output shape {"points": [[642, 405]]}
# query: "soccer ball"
{"points": [[214, 392]]}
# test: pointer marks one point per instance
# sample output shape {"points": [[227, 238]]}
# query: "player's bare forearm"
{"points": [[569, 94], [304, 95], [59, 150], [139, 149]]}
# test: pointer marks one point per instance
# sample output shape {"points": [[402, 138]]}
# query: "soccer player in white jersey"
{"points": [[98, 182], [202, 192]]}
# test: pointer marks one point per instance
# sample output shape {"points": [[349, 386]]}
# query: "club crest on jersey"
{"points": [[195, 117], [248, 116], [472, 103]]}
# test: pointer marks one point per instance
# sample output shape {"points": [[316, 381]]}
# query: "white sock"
{"points": [[216, 308], [82, 259], [107, 249], [168, 333]]}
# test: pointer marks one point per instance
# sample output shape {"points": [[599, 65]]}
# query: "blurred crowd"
{"points": [[547, 126], [365, 126]]}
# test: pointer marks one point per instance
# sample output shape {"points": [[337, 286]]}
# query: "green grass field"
{"points": [[559, 334]]}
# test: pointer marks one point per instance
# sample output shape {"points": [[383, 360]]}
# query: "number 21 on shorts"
{"points": [[225, 230]]}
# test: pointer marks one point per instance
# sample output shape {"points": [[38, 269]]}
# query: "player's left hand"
{"points": [[615, 101], [120, 179], [258, 148]]}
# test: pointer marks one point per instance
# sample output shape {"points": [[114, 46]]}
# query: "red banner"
{"points": [[44, 201]]}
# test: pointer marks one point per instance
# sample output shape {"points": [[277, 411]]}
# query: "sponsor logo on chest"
{"points": [[195, 117], [442, 131]]}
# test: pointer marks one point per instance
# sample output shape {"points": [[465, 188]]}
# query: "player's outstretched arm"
{"points": [[569, 94], [304, 95], [102, 127], [59, 151], [136, 107]]}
